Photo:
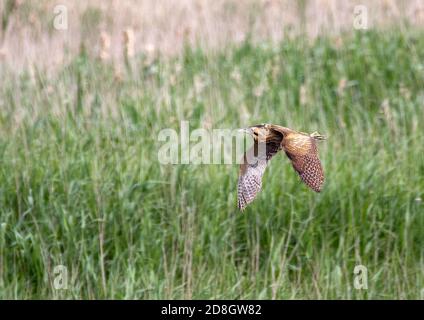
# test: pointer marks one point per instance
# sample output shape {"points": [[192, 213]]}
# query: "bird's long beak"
{"points": [[246, 130]]}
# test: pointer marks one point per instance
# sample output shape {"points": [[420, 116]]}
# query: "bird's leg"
{"points": [[317, 136]]}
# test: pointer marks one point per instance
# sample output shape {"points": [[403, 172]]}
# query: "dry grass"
{"points": [[27, 35]]}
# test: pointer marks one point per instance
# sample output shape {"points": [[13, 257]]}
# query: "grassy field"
{"points": [[81, 185]]}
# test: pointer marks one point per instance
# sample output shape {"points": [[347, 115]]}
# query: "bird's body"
{"points": [[269, 139]]}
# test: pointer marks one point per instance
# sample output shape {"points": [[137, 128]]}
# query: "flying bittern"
{"points": [[268, 139]]}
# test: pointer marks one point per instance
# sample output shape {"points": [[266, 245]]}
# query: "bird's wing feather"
{"points": [[250, 175], [303, 153]]}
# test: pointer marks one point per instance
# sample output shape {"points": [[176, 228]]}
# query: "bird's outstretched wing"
{"points": [[303, 153], [250, 175]]}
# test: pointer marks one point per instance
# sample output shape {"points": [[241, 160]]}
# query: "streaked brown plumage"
{"points": [[300, 147]]}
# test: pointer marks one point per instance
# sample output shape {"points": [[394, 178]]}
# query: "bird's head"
{"points": [[259, 132]]}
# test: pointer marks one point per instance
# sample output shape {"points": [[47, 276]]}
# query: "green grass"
{"points": [[81, 184]]}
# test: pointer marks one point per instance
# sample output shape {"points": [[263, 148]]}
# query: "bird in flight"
{"points": [[269, 139]]}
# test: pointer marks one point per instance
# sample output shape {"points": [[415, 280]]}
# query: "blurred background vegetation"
{"points": [[81, 184]]}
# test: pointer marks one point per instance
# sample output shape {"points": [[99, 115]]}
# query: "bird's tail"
{"points": [[318, 136]]}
